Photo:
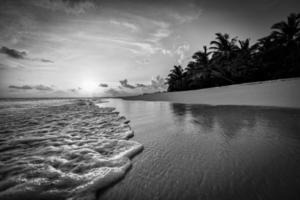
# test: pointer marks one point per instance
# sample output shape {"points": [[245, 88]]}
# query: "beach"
{"points": [[82, 149], [149, 100], [279, 93]]}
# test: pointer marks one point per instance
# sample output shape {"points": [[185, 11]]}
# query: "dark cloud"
{"points": [[28, 87], [103, 85], [13, 53], [116, 93], [46, 60], [124, 83], [75, 89], [17, 54], [43, 88], [140, 85], [24, 87]]}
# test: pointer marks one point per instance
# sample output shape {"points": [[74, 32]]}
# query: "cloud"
{"points": [[28, 87], [43, 88], [10, 66], [159, 31], [74, 90], [162, 30], [118, 92], [132, 27], [24, 87], [140, 85], [68, 6], [46, 60], [138, 47], [183, 18], [145, 44], [18, 54], [124, 83], [103, 85], [158, 83], [166, 52], [13, 53], [147, 41], [181, 52]]}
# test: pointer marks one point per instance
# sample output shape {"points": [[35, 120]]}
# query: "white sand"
{"points": [[280, 93]]}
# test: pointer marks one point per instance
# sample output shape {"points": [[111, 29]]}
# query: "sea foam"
{"points": [[67, 151]]}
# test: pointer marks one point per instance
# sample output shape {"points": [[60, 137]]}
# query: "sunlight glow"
{"points": [[89, 86]]}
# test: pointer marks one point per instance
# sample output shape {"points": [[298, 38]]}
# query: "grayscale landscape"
{"points": [[149, 100]]}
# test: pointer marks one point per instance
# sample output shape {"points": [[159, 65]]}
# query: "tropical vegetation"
{"points": [[231, 61]]}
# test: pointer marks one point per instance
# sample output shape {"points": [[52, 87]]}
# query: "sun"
{"points": [[89, 86]]}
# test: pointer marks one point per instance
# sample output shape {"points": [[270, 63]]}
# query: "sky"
{"points": [[74, 48]]}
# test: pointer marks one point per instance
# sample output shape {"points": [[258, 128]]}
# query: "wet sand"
{"points": [[210, 152]]}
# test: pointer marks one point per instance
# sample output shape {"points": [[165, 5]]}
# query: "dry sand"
{"points": [[280, 93]]}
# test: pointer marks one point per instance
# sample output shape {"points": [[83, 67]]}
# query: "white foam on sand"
{"points": [[280, 93], [64, 151]]}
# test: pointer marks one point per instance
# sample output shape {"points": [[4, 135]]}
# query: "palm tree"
{"points": [[201, 64], [193, 74], [192, 68], [279, 52], [175, 78], [243, 65], [225, 50], [288, 31], [202, 57], [265, 43], [223, 46], [245, 48], [236, 61]]}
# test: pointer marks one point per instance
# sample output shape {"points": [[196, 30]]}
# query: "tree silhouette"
{"points": [[223, 46], [200, 68], [175, 79], [237, 61], [289, 31]]}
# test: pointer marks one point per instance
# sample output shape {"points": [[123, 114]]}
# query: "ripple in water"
{"points": [[64, 151]]}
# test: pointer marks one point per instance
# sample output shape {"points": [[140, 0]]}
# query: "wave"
{"points": [[65, 151]]}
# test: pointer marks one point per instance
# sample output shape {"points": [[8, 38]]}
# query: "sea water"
{"points": [[61, 148]]}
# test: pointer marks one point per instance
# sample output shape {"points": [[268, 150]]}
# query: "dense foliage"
{"points": [[231, 61]]}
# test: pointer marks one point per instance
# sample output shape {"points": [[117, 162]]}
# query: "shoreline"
{"points": [[274, 93]]}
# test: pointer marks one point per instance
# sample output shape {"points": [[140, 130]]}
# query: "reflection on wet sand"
{"points": [[211, 152]]}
